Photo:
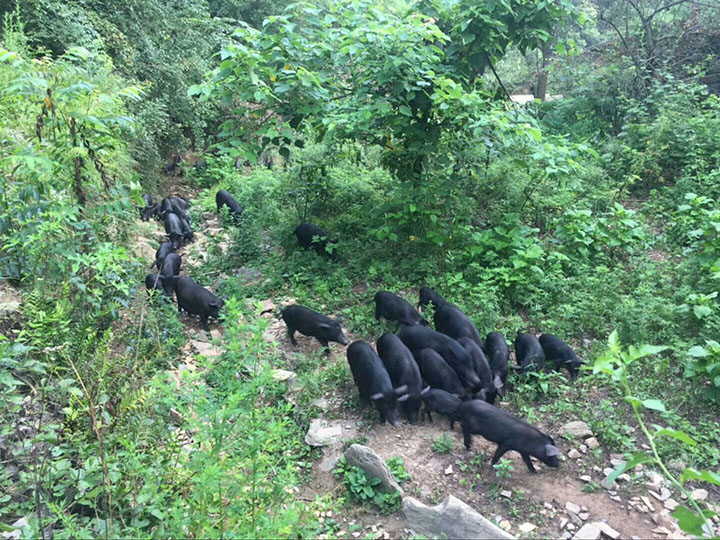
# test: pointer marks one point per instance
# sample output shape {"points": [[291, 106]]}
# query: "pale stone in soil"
{"points": [[452, 518], [576, 429]]}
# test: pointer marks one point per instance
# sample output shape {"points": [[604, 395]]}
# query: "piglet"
{"points": [[223, 198], [509, 432], [403, 371], [311, 323], [438, 374], [394, 308], [528, 353], [196, 300], [373, 381], [311, 236], [154, 282], [498, 354], [561, 354], [439, 401], [492, 385]]}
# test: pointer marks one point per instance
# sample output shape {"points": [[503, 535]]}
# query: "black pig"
{"points": [[174, 230], [508, 431], [186, 230], [147, 211], [403, 371], [165, 207], [439, 401], [561, 354], [438, 374], [418, 338], [498, 352], [311, 323], [449, 319], [528, 353], [172, 167], [373, 381], [311, 236], [223, 198], [170, 268], [179, 201], [452, 321], [491, 384], [154, 282], [163, 251], [428, 296], [196, 300], [394, 308]]}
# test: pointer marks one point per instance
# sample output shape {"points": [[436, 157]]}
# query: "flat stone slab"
{"points": [[577, 430], [323, 433], [452, 518]]}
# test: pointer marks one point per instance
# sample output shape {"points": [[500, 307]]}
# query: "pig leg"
{"points": [[467, 437], [325, 345], [409, 412], [204, 321], [377, 311], [427, 412], [291, 333], [529, 463], [501, 449]]}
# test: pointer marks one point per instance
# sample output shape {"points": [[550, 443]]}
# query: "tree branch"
{"points": [[487, 56]]}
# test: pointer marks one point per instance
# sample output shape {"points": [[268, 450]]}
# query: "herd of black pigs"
{"points": [[449, 370]]}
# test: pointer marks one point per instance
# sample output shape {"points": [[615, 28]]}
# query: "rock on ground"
{"points": [[366, 459], [452, 518], [323, 433], [576, 429]]}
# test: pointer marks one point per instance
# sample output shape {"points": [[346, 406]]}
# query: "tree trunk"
{"points": [[541, 90]]}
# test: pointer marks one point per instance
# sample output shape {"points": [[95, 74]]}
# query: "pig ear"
{"points": [[551, 450], [403, 398], [324, 325], [213, 304], [425, 390], [400, 390], [377, 396]]}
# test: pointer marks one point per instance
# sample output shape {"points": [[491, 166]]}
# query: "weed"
{"points": [[443, 444], [504, 468], [365, 489]]}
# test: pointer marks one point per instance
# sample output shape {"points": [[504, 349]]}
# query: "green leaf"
{"points": [[698, 351], [613, 341], [675, 434], [635, 460], [635, 402], [689, 521], [654, 404], [644, 350], [710, 477], [404, 109]]}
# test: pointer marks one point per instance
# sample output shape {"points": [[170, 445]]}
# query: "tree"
{"points": [[357, 70], [654, 33]]}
